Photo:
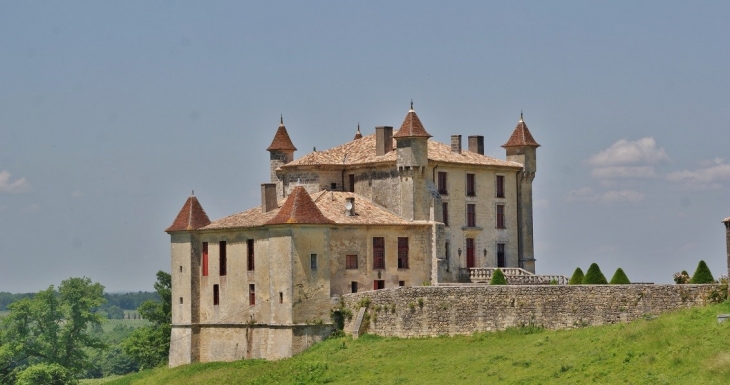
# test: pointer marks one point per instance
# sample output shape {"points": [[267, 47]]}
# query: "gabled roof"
{"points": [[281, 139], [412, 127], [191, 217], [521, 136], [362, 151], [299, 208]]}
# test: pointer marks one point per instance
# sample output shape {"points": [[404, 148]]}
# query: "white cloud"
{"points": [[624, 152], [704, 178], [587, 194], [623, 172], [17, 186]]}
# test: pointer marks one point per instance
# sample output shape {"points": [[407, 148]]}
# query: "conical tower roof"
{"points": [[412, 127], [281, 139], [521, 136], [299, 208], [191, 217], [358, 135]]}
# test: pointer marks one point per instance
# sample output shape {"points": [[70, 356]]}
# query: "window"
{"points": [[181, 268], [470, 185], [471, 215], [402, 252], [251, 266], [252, 294], [500, 186], [181, 300], [351, 261], [500, 217], [281, 297], [352, 182], [378, 253], [222, 252], [442, 183], [333, 186], [379, 284], [470, 260], [216, 295], [447, 247], [313, 261], [401, 283], [205, 259], [353, 286], [445, 209], [500, 255]]}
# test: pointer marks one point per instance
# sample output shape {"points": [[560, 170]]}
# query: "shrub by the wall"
{"points": [[577, 277], [702, 274], [594, 276], [498, 278], [619, 278]]}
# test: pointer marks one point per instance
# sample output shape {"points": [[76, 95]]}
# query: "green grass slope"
{"points": [[685, 347]]}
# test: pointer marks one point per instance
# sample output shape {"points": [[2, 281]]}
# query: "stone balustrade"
{"points": [[515, 276]]}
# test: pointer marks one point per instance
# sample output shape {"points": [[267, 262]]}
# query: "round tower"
{"points": [[522, 148], [281, 152], [412, 161]]}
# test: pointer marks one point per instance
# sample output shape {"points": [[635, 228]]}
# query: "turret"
{"points": [[522, 148], [412, 160], [281, 152]]}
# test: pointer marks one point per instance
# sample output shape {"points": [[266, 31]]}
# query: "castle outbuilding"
{"points": [[388, 209]]}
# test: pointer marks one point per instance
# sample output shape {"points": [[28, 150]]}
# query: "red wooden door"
{"points": [[470, 262]]}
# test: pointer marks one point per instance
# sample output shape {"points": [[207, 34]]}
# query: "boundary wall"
{"points": [[432, 310]]}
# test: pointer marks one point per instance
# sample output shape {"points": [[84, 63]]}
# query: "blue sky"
{"points": [[111, 112]]}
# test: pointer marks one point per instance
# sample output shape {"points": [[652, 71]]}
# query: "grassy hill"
{"points": [[684, 347]]}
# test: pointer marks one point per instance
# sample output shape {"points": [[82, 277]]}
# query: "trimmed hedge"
{"points": [[577, 277], [619, 278], [498, 278], [702, 274], [594, 276]]}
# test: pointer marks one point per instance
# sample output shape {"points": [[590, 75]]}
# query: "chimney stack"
{"points": [[268, 197], [476, 144], [350, 206], [456, 144], [383, 140]]}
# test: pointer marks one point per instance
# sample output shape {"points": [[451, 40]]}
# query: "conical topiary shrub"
{"points": [[498, 278], [577, 277], [619, 278], [594, 276], [702, 274]]}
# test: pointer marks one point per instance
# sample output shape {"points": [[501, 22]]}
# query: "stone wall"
{"points": [[433, 311]]}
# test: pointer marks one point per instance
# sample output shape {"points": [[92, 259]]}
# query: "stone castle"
{"points": [[387, 210]]}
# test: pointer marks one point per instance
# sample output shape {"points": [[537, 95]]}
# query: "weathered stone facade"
{"points": [[434, 311]]}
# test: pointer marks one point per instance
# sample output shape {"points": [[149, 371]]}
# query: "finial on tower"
{"points": [[411, 104], [281, 119], [193, 193], [521, 117]]}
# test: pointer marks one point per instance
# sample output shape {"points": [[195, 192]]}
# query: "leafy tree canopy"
{"points": [[577, 277], [498, 278], [594, 276], [619, 278], [150, 345], [52, 328], [702, 274]]}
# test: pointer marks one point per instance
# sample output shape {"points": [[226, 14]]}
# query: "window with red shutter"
{"points": [[378, 253]]}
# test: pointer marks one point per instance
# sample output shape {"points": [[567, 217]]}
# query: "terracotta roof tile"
{"points": [[299, 208], [521, 136], [412, 127], [362, 151], [191, 217], [281, 140]]}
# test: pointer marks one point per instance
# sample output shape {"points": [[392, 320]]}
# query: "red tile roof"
{"points": [[412, 127], [191, 217], [299, 208], [281, 140], [521, 136]]}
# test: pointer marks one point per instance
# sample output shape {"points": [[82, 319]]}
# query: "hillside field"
{"points": [[687, 347]]}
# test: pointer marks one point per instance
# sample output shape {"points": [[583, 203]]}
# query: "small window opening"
{"points": [[333, 186], [281, 297], [313, 261], [222, 268], [181, 300], [252, 294], [205, 259], [401, 283], [351, 262], [379, 284], [216, 295], [181, 268], [251, 261], [353, 286]]}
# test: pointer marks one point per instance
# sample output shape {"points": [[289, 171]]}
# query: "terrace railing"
{"points": [[515, 276]]}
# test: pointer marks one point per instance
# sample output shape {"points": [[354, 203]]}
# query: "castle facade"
{"points": [[389, 209]]}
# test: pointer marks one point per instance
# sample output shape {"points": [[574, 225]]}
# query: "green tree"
{"points": [[577, 277], [498, 278], [46, 374], [150, 345], [619, 278], [54, 327], [702, 274], [594, 276]]}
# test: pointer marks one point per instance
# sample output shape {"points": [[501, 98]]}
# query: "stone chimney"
{"points": [[268, 197], [456, 144], [476, 144], [383, 140], [350, 206]]}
